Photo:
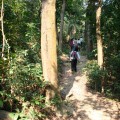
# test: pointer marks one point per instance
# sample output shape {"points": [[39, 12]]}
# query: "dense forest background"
{"points": [[22, 85]]}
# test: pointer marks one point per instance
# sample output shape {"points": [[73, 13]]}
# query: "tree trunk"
{"points": [[88, 25], [48, 46], [98, 35], [99, 40], [4, 40], [2, 28], [61, 25], [88, 38]]}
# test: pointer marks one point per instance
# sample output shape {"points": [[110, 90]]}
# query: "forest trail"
{"points": [[81, 103]]}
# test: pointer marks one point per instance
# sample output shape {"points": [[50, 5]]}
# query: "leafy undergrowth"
{"points": [[22, 91], [98, 77]]}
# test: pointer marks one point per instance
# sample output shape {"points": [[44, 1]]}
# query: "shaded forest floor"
{"points": [[80, 103]]}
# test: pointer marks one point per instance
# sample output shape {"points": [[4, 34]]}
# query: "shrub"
{"points": [[95, 75]]}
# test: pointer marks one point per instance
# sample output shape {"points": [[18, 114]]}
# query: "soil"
{"points": [[80, 103]]}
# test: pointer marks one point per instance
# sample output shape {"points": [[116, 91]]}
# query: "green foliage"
{"points": [[92, 55], [22, 89], [24, 84], [73, 18], [110, 29], [66, 48], [27, 113], [95, 75], [111, 32], [56, 101]]}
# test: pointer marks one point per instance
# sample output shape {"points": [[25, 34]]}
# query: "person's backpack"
{"points": [[73, 55]]}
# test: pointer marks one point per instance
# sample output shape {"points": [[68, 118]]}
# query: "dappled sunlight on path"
{"points": [[81, 104]]}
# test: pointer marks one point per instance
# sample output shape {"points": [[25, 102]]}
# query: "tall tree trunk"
{"points": [[4, 40], [88, 27], [61, 25], [99, 40], [98, 35], [2, 28], [88, 37], [48, 46]]}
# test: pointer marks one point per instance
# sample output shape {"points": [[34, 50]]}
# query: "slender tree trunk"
{"points": [[2, 28], [88, 38], [48, 46], [57, 35], [98, 35], [85, 34], [4, 40], [61, 25], [99, 40]]}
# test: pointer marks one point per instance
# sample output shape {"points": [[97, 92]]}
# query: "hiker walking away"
{"points": [[80, 41], [74, 57]]}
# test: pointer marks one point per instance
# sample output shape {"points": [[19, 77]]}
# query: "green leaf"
{"points": [[37, 102]]}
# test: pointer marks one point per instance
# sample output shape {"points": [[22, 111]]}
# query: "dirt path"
{"points": [[80, 103]]}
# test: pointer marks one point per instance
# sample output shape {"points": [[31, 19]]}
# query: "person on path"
{"points": [[74, 56], [80, 41]]}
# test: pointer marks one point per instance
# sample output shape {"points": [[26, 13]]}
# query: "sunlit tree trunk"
{"points": [[61, 25], [98, 35], [99, 40], [48, 46]]}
